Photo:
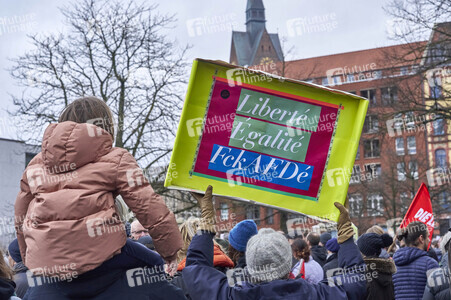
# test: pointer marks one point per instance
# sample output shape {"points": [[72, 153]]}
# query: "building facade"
{"points": [[399, 146]]}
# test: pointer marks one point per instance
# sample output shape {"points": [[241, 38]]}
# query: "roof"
{"points": [[246, 51], [356, 61], [254, 4]]}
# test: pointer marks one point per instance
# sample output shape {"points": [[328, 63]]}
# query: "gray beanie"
{"points": [[268, 256]]}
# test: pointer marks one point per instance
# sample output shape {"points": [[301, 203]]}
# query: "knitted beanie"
{"points": [[324, 238], [268, 256], [371, 244], [241, 233], [14, 251], [332, 245]]}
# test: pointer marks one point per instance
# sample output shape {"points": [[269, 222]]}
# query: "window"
{"points": [[358, 152], [413, 168], [374, 205], [439, 126], [336, 79], [269, 215], [224, 211], [325, 81], [355, 204], [389, 95], [435, 86], [371, 124], [355, 93], [440, 158], [398, 121], [410, 121], [404, 70], [370, 95], [350, 78], [377, 74], [399, 146], [401, 169], [371, 148], [373, 170], [253, 212], [411, 145]]}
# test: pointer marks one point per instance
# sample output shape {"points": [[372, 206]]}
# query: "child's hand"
{"points": [[171, 267]]}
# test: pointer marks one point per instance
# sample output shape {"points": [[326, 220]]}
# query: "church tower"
{"points": [[255, 46]]}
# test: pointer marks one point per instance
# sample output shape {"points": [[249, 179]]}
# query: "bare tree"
{"points": [[425, 27], [117, 51]]}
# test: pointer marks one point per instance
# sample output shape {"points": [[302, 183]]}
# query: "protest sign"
{"points": [[263, 138], [421, 210]]}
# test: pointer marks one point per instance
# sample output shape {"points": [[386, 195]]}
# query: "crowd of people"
{"points": [[73, 241]]}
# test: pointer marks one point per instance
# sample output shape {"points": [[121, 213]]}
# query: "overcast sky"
{"points": [[332, 26]]}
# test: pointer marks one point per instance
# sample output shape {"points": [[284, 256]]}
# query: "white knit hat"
{"points": [[268, 256]]}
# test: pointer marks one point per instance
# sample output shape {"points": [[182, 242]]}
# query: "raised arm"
{"points": [[149, 207]]}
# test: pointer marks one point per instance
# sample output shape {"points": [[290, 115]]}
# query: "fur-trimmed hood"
{"points": [[382, 265]]}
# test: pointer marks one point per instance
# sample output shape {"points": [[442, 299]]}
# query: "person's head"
{"points": [[416, 234], [301, 249], [89, 110], [137, 230], [238, 238], [268, 256], [434, 244], [324, 238], [14, 251], [332, 245], [375, 229], [188, 229], [371, 244], [313, 239], [5, 270], [146, 241]]}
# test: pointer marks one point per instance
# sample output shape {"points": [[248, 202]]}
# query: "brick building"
{"points": [[396, 148]]}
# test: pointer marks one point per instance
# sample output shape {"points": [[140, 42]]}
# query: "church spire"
{"points": [[255, 17]]}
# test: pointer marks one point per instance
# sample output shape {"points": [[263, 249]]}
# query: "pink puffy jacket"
{"points": [[66, 220]]}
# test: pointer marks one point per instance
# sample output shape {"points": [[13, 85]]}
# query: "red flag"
{"points": [[421, 210]]}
